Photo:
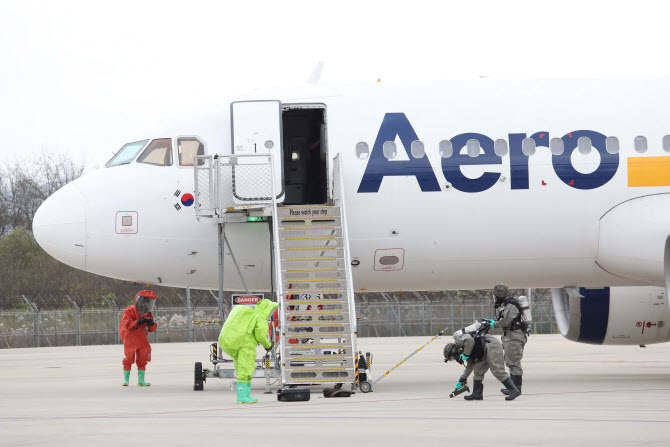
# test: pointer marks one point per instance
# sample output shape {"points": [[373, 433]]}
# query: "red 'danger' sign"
{"points": [[247, 300]]}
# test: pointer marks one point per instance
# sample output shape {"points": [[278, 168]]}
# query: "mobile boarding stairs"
{"points": [[311, 271]]}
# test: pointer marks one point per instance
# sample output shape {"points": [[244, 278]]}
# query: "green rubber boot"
{"points": [[126, 377], [244, 394], [140, 378]]}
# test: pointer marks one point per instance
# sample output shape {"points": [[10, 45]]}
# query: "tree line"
{"points": [[25, 268]]}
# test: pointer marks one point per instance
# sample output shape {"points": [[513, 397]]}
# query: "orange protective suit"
{"points": [[135, 336]]}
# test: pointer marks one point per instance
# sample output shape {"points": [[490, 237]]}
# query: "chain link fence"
{"points": [[32, 324], [415, 313]]}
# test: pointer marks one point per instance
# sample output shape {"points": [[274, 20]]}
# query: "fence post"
{"points": [[115, 308], [430, 314], [36, 321], [423, 314], [78, 326], [399, 317], [77, 321], [156, 317], [189, 322], [481, 301]]}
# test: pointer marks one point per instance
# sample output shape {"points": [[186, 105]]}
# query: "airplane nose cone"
{"points": [[59, 226]]}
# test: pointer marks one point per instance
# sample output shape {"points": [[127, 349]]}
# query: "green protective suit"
{"points": [[244, 328]]}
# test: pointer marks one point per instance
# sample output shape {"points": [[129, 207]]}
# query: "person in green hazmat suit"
{"points": [[244, 328]]}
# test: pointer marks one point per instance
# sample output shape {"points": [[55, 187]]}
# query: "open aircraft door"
{"points": [[256, 128]]}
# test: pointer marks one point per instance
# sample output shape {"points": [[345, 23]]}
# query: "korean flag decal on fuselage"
{"points": [[186, 200]]}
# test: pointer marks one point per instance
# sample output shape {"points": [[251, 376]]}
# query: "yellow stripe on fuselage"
{"points": [[648, 171]]}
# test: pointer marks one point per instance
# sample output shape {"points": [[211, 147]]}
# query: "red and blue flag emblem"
{"points": [[187, 199]]}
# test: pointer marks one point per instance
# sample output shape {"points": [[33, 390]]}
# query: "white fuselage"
{"points": [[525, 226]]}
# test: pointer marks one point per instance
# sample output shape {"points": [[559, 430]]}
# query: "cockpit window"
{"points": [[127, 153], [159, 153], [189, 147]]}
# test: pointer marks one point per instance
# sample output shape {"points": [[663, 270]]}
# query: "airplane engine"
{"points": [[632, 239], [612, 315]]}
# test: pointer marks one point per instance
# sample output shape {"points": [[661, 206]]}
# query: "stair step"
{"points": [[298, 302], [312, 261], [303, 228], [319, 381], [311, 248], [303, 347], [304, 292], [297, 278], [322, 336]]}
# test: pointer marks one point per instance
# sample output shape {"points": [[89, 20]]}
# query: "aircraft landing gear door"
{"points": [[257, 129]]}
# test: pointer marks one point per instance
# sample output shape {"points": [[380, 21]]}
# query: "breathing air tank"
{"points": [[525, 309], [466, 330]]}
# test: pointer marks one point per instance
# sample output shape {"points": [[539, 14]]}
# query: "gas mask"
{"points": [[500, 294], [452, 352], [145, 302]]}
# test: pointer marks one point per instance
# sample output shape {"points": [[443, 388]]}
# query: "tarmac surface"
{"points": [[572, 395]]}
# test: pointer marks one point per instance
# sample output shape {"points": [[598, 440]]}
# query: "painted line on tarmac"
{"points": [[379, 418], [589, 392], [601, 361], [189, 414]]}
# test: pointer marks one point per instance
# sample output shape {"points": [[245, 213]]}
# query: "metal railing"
{"points": [[338, 200], [228, 182]]}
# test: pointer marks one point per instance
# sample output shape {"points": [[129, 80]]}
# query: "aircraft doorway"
{"points": [[305, 155]]}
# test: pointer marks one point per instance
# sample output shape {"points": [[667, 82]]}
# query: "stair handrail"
{"points": [[338, 199], [277, 262]]}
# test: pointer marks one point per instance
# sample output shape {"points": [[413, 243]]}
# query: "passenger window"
{"points": [[584, 145], [389, 150], [472, 147], [188, 148], [528, 147], [666, 143], [640, 144], [612, 145], [500, 147], [556, 146], [418, 149], [362, 150], [446, 149], [159, 153]]}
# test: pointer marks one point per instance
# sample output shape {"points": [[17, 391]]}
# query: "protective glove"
{"points": [[272, 343], [464, 357], [140, 322], [492, 322], [459, 385]]}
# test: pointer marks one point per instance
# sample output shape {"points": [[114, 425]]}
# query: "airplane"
{"points": [[545, 183]]}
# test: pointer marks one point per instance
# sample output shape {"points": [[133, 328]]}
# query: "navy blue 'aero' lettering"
{"points": [[519, 161], [396, 124], [451, 167], [609, 163]]}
